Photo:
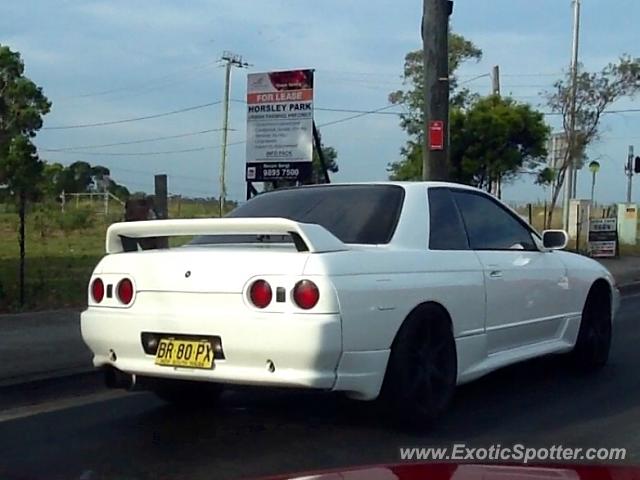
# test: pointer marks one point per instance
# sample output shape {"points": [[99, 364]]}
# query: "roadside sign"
{"points": [[436, 135], [603, 237], [279, 125]]}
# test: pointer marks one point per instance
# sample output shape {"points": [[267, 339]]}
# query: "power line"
{"points": [[527, 86], [477, 77], [361, 113], [352, 110], [131, 142], [145, 90], [165, 152], [136, 119], [168, 80], [559, 74], [171, 175], [142, 85], [626, 110], [343, 110], [196, 107], [606, 112], [549, 74]]}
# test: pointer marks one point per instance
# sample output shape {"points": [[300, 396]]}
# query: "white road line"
{"points": [[61, 404]]}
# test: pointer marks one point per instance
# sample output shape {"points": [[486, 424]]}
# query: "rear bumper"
{"points": [[304, 348]]}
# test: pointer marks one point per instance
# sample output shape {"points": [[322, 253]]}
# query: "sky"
{"points": [[103, 61]]}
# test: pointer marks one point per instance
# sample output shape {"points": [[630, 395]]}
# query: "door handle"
{"points": [[495, 273]]}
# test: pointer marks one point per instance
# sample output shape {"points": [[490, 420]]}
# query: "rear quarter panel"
{"points": [[377, 289]]}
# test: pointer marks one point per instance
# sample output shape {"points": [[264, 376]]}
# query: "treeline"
{"points": [[79, 177]]}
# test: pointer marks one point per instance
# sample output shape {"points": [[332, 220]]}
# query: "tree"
{"points": [[79, 177], [22, 105], [22, 171], [496, 137], [52, 174], [118, 190], [412, 99], [595, 92], [491, 137], [330, 158]]}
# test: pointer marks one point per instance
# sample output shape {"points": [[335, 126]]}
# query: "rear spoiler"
{"points": [[307, 237]]}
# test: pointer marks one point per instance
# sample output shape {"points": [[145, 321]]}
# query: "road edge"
{"points": [[628, 289]]}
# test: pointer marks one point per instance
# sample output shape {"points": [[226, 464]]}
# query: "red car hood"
{"points": [[451, 471]]}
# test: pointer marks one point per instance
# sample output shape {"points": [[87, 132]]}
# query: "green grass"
{"points": [[62, 251], [57, 268]]}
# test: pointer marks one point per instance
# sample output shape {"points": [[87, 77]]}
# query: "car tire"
{"points": [[422, 371], [593, 344], [188, 393]]}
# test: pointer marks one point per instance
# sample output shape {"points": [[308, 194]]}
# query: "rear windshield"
{"points": [[365, 214]]}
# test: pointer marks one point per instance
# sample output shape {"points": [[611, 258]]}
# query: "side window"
{"points": [[489, 226], [446, 231]]}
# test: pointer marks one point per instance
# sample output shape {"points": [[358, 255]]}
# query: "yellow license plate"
{"points": [[184, 353]]}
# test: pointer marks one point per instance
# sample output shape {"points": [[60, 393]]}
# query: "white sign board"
{"points": [[603, 237], [279, 125]]}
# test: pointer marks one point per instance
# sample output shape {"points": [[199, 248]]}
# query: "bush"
{"points": [[46, 219], [73, 220], [8, 208]]}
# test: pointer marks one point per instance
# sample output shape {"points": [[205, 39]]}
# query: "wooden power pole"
{"points": [[435, 43], [496, 183], [230, 60], [569, 173], [495, 80]]}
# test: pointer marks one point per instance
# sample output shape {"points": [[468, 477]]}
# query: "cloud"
{"points": [[151, 50]]}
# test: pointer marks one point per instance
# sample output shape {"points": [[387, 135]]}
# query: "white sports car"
{"points": [[397, 290]]}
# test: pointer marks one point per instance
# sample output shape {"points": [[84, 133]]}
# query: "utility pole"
{"points": [[495, 80], [161, 204], [231, 60], [435, 45], [628, 169], [496, 183], [569, 175], [594, 167]]}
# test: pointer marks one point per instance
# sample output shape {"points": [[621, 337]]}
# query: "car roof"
{"points": [[408, 185]]}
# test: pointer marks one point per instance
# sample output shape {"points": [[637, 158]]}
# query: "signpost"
{"points": [[279, 126], [603, 237]]}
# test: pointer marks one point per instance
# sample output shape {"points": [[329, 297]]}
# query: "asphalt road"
{"points": [[76, 429]]}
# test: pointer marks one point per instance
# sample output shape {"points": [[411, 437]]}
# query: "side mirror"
{"points": [[555, 239]]}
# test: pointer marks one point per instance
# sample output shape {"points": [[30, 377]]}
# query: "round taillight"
{"points": [[306, 294], [97, 290], [125, 291], [260, 293]]}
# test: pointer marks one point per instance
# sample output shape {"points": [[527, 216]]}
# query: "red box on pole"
{"points": [[436, 135]]}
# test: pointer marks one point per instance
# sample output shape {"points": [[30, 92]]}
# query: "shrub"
{"points": [[73, 220], [45, 220]]}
